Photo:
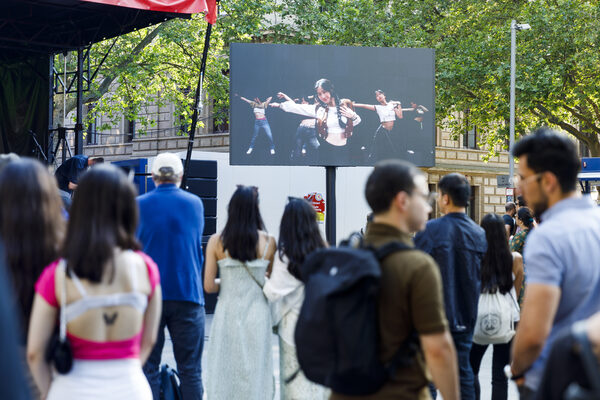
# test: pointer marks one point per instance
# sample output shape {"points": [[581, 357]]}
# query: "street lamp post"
{"points": [[514, 27]]}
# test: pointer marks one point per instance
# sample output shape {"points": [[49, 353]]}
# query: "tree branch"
{"points": [[594, 106], [112, 75], [553, 119], [468, 91], [582, 117]]}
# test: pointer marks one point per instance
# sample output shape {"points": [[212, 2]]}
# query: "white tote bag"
{"points": [[496, 316]]}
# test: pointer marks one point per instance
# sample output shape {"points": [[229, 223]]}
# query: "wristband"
{"points": [[509, 374]]}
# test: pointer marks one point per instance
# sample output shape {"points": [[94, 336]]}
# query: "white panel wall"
{"points": [[276, 183]]}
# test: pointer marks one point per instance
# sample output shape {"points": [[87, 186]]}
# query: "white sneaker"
{"points": [[249, 151], [272, 151]]}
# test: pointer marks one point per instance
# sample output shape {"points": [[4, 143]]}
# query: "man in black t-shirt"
{"points": [[509, 219]]}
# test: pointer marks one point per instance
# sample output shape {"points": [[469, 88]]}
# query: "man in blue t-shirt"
{"points": [[171, 226], [457, 244], [68, 173], [562, 253]]}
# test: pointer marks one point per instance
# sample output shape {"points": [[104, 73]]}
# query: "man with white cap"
{"points": [[171, 226]]}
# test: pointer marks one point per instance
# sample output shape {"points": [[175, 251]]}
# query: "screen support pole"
{"points": [[197, 106], [330, 205]]}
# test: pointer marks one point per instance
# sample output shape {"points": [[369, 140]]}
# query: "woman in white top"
{"points": [[299, 235], [381, 143], [501, 271], [239, 355], [336, 119]]}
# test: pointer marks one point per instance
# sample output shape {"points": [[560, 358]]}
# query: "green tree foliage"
{"points": [[160, 65], [557, 60], [558, 65]]}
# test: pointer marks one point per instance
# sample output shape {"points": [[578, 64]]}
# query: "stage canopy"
{"points": [[51, 26], [32, 30]]}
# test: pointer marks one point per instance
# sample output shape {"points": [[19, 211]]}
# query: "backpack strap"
{"points": [[389, 248], [405, 355]]}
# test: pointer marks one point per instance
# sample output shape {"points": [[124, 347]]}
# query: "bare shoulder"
{"points": [[215, 239], [215, 246], [517, 261], [267, 241]]}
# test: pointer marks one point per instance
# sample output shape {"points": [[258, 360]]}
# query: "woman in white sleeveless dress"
{"points": [[239, 355], [299, 235]]}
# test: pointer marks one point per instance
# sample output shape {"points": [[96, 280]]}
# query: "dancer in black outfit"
{"points": [[382, 146]]}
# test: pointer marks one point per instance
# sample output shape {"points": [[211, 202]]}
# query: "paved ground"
{"points": [[485, 374]]}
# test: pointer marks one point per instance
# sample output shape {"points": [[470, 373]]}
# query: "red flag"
{"points": [[211, 15], [172, 6]]}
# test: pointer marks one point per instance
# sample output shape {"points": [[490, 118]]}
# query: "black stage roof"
{"points": [[52, 26]]}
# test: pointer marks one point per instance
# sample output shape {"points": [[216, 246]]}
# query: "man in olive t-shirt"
{"points": [[411, 296]]}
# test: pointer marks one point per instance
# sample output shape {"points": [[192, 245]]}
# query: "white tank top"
{"points": [[386, 113]]}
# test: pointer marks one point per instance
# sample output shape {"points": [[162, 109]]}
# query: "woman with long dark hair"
{"points": [[525, 223], [335, 117], [31, 227], [501, 271], [109, 292], [239, 356], [299, 235]]}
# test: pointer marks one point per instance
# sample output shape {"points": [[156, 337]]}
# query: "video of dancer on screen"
{"points": [[330, 105]]}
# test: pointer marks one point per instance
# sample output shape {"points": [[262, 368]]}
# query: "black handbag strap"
{"points": [[252, 276], [63, 303]]}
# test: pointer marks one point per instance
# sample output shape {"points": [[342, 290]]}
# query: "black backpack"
{"points": [[337, 333]]}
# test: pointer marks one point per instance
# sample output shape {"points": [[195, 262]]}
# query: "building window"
{"points": [[128, 130], [91, 136], [470, 135], [473, 206], [220, 120]]}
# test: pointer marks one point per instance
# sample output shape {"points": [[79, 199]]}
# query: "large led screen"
{"points": [[331, 105]]}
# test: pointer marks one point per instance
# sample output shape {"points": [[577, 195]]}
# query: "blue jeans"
{"points": [[306, 137], [264, 124], [463, 342], [185, 321]]}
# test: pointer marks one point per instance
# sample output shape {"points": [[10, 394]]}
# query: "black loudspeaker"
{"points": [[202, 181]]}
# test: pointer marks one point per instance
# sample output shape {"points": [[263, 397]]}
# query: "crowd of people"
{"points": [[95, 286]]}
